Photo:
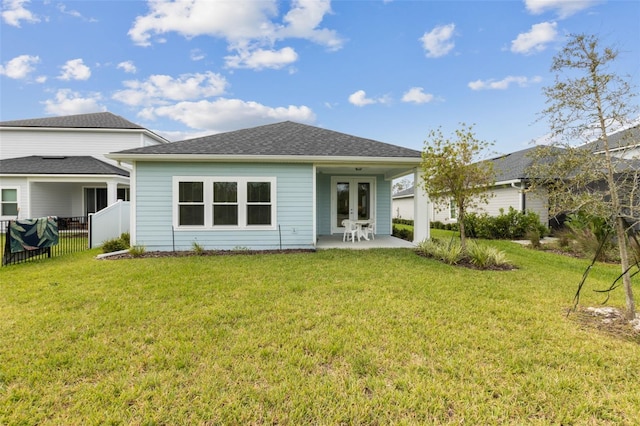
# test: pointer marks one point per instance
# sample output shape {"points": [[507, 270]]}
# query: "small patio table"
{"points": [[359, 225]]}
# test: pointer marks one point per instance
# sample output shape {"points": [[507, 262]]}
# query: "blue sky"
{"points": [[386, 70]]}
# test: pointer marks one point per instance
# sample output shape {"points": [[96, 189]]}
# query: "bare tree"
{"points": [[587, 102], [451, 171]]}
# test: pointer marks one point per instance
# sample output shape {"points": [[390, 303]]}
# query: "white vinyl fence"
{"points": [[108, 223]]}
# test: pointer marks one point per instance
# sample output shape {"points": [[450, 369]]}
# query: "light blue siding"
{"points": [[323, 204], [154, 207]]}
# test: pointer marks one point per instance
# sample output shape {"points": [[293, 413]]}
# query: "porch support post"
{"points": [[421, 207], [112, 193]]}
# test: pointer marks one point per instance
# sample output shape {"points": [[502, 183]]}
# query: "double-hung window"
{"points": [[190, 203], [225, 202], [259, 203], [9, 202]]}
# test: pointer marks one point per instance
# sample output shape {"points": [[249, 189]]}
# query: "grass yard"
{"points": [[333, 337]]}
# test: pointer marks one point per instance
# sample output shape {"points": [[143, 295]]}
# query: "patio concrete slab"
{"points": [[381, 241]]}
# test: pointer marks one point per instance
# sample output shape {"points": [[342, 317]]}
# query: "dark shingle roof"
{"points": [[619, 140], [98, 120], [281, 139], [407, 192], [62, 165], [514, 165]]}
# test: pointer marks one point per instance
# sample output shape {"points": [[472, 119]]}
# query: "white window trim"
{"points": [[208, 203], [453, 210], [17, 188]]}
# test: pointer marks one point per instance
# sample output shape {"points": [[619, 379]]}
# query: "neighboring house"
{"points": [[55, 166], [403, 204], [509, 190], [623, 144], [278, 185]]}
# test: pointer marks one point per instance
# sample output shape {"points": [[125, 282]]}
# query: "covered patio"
{"points": [[383, 241]]}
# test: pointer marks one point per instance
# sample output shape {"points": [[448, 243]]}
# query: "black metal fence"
{"points": [[73, 236]]}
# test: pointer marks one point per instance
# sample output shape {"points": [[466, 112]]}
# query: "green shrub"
{"points": [[505, 226], [115, 244], [197, 248], [402, 221], [126, 237], [137, 250], [589, 232], [450, 253], [485, 257], [403, 233]]}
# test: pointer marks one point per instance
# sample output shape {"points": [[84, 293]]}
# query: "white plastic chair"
{"points": [[349, 228], [369, 230]]}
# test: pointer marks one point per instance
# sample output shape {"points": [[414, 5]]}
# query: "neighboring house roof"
{"points": [[58, 165], [99, 120], [285, 139], [407, 192], [514, 166], [624, 139]]}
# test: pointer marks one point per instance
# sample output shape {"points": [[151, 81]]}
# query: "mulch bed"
{"points": [[466, 263], [157, 254]]}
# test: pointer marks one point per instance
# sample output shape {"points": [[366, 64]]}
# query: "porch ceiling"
{"points": [[389, 172]]}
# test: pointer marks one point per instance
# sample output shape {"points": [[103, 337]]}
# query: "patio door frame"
{"points": [[353, 198]]}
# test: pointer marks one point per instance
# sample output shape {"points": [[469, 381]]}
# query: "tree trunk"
{"points": [[630, 313], [463, 238]]}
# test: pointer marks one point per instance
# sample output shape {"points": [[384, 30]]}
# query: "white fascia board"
{"points": [[87, 130], [67, 178], [508, 182], [317, 159]]}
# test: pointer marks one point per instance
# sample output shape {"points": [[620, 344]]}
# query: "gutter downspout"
{"points": [[521, 201]]}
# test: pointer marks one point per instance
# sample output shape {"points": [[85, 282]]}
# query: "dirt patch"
{"points": [[156, 254], [608, 320]]}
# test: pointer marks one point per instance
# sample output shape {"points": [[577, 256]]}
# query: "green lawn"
{"points": [[333, 337]]}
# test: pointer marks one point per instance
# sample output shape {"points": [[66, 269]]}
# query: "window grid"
{"points": [[228, 203]]}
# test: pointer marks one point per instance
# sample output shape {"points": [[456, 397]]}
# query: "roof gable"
{"points": [[280, 139], [59, 165], [99, 120]]}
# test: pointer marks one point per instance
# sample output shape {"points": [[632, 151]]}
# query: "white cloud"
{"points": [[159, 89], [63, 8], [247, 25], [75, 69], [359, 98], [128, 67], [437, 42], [19, 67], [14, 11], [417, 95], [536, 39], [228, 114], [260, 58], [563, 8], [67, 102], [303, 20], [196, 55], [504, 83]]}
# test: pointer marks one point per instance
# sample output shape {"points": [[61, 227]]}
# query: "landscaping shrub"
{"points": [[485, 257], [589, 232], [405, 234], [403, 221], [505, 226], [126, 237], [137, 250], [115, 244], [451, 253]]}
